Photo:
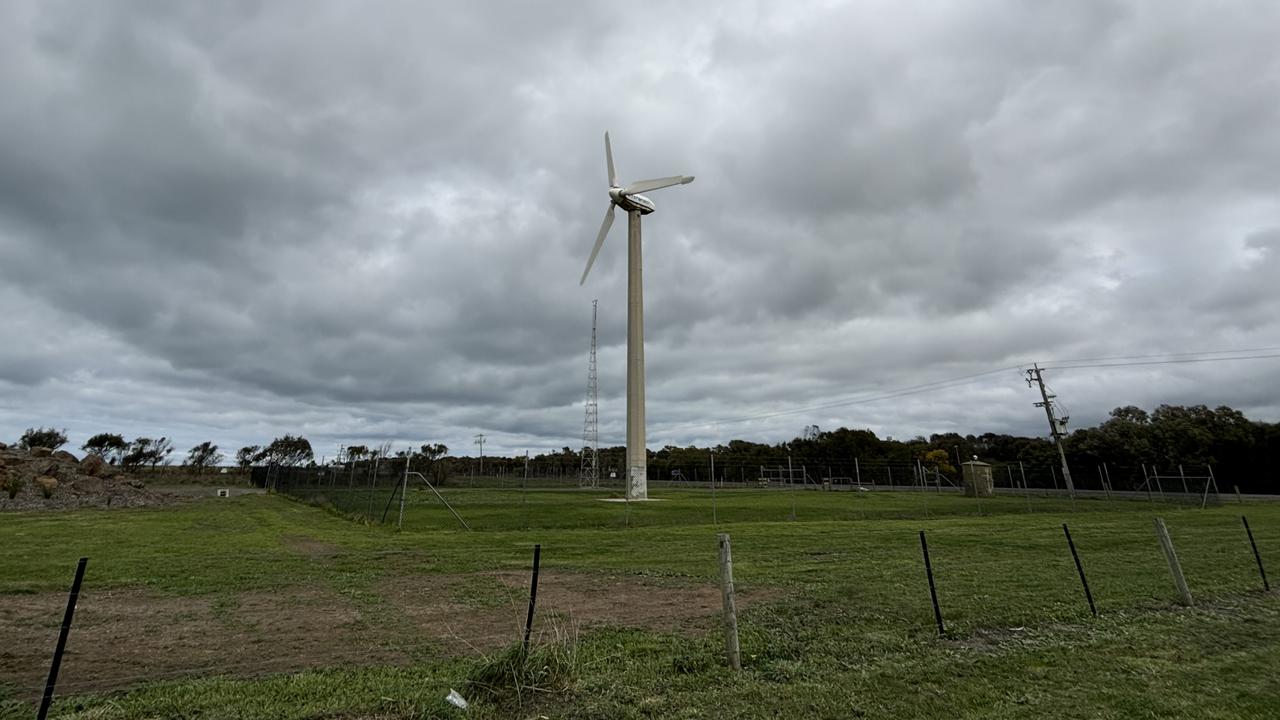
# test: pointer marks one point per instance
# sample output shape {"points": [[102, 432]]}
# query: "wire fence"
{"points": [[379, 491], [292, 628]]}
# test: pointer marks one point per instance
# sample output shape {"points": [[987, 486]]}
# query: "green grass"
{"points": [[850, 633]]}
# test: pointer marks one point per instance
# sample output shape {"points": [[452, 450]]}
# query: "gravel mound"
{"points": [[42, 479]]}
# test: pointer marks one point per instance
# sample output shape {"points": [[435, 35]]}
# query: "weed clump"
{"points": [[516, 678]]}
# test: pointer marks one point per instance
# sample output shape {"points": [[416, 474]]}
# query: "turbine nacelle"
{"points": [[628, 198], [631, 203]]}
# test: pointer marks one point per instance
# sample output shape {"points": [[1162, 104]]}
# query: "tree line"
{"points": [[1171, 435]]}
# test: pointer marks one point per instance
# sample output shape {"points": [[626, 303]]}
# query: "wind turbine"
{"points": [[636, 206]]}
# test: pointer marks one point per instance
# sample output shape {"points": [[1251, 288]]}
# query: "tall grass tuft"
{"points": [[515, 678]]}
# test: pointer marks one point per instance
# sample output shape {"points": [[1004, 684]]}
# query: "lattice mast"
{"points": [[589, 472]]}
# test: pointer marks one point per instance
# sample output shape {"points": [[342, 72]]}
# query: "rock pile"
{"points": [[42, 479]]}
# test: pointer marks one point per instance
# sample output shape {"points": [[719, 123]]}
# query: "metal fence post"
{"points": [[1175, 568], [67, 616]]}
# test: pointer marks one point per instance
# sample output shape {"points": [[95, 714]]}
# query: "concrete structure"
{"points": [[636, 206], [977, 479]]}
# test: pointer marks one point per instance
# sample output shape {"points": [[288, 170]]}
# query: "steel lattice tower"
{"points": [[589, 473]]}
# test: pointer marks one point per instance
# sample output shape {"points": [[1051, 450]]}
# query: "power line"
{"points": [[1176, 358], [884, 395], [1170, 355], [1177, 361]]}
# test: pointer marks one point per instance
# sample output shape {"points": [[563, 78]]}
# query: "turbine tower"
{"points": [[636, 206]]}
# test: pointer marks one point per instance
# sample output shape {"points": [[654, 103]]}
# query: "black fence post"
{"points": [[1256, 556], [1080, 569], [933, 591], [47, 700], [533, 596]]}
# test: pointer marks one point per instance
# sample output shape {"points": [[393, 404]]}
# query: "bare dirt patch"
{"points": [[483, 611], [122, 638], [309, 546]]}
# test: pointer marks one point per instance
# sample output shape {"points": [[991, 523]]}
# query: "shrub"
{"points": [[47, 485], [43, 437], [11, 484]]}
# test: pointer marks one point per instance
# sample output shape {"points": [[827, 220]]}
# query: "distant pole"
{"points": [[1055, 425], [480, 441], [373, 485], [1266, 587], [1106, 471], [1171, 556], [524, 491], [1183, 475], [715, 519], [1239, 497], [67, 616], [889, 469], [792, 487], [732, 650], [1103, 481], [404, 487], [857, 472]]}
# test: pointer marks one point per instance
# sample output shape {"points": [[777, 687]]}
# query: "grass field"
{"points": [[262, 606]]}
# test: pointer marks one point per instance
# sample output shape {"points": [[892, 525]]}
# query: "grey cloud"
{"points": [[247, 219]]}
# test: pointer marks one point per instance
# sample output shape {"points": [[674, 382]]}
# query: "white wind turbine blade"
{"points": [[604, 230], [656, 184], [608, 156]]}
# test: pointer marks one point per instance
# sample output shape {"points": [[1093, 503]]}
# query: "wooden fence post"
{"points": [[730, 608]]}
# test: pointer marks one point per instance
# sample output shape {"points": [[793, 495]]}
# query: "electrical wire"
{"points": [[1175, 361], [1080, 363]]}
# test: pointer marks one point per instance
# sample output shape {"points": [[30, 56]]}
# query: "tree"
{"points": [[160, 450], [428, 455], [109, 446], [203, 455], [246, 454], [146, 451], [433, 452], [287, 450], [938, 461], [43, 437]]}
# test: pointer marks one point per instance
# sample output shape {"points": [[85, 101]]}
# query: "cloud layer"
{"points": [[230, 221]]}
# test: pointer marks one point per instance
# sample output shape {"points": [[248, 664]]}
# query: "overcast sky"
{"points": [[361, 222]]}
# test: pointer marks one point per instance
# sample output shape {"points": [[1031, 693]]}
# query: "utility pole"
{"points": [[480, 441], [1055, 425], [589, 471]]}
